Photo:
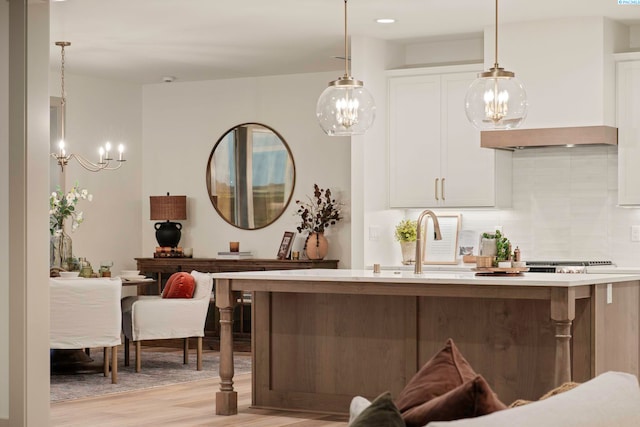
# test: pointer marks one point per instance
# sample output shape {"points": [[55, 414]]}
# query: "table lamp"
{"points": [[168, 208]]}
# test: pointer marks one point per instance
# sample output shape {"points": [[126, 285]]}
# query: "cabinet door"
{"points": [[628, 133], [468, 169], [414, 140]]}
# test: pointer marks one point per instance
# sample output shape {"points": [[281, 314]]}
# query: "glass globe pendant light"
{"points": [[345, 107], [496, 99]]}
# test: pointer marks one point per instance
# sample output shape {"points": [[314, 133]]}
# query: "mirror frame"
{"points": [[209, 174]]}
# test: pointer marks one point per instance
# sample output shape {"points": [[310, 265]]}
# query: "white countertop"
{"points": [[608, 269], [431, 277], [430, 267]]}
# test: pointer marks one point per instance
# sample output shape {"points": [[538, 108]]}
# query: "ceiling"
{"points": [[144, 40]]}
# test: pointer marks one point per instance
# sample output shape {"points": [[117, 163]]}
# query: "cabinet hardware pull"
{"points": [[442, 188], [436, 188]]}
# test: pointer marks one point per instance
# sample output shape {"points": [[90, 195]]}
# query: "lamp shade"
{"points": [[168, 207]]}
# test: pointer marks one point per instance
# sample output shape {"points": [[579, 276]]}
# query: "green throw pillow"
{"points": [[381, 413]]}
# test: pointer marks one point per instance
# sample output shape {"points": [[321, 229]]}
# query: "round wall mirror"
{"points": [[250, 176]]}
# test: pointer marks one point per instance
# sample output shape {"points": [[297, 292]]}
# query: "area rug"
{"points": [[159, 368]]}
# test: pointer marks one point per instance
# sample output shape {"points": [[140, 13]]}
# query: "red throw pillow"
{"points": [[471, 399], [167, 285], [446, 370], [179, 285]]}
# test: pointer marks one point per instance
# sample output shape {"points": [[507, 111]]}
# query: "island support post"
{"points": [[226, 398], [563, 312]]}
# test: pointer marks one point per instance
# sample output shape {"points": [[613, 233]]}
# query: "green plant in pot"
{"points": [[406, 233], [503, 246]]}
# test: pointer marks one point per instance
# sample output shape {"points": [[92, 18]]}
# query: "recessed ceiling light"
{"points": [[385, 20]]}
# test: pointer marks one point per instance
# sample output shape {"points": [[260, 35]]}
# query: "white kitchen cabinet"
{"points": [[628, 111], [435, 158]]}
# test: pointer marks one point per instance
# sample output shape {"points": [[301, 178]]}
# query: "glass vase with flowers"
{"points": [[63, 206], [316, 215]]}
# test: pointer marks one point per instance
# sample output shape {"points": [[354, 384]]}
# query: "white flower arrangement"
{"points": [[63, 206]]}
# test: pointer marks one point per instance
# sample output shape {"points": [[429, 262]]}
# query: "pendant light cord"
{"points": [[63, 101], [63, 97], [495, 65], [346, 48], [62, 75]]}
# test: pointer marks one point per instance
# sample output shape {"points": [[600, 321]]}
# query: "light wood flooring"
{"points": [[184, 405]]}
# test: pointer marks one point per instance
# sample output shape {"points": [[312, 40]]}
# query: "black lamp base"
{"points": [[168, 233]]}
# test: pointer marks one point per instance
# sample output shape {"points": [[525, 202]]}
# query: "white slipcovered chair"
{"points": [[85, 313], [157, 318]]}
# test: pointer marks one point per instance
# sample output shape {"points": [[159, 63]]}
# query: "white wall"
{"points": [[182, 122], [369, 169], [464, 49], [28, 188], [4, 211], [98, 111]]}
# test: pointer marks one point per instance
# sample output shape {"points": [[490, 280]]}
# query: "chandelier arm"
{"points": [[88, 165], [95, 167]]}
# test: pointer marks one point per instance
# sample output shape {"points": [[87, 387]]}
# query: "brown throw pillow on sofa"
{"points": [[471, 399], [381, 413], [179, 285], [445, 371]]}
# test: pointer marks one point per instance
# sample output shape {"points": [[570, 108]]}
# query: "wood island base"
{"points": [[317, 343]]}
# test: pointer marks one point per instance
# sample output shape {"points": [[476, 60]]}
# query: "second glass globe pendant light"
{"points": [[345, 107], [496, 99]]}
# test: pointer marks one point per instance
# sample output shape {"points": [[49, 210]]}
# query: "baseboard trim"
{"points": [[4, 422]]}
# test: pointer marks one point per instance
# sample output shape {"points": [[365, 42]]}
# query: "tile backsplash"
{"points": [[564, 207]]}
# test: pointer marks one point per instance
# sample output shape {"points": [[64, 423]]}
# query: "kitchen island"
{"points": [[321, 337]]}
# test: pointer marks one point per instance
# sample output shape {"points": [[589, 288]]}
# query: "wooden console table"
{"points": [[162, 268]]}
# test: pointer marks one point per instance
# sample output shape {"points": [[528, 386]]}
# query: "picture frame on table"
{"points": [[286, 243]]}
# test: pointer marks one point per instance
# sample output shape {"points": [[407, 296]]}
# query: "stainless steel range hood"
{"points": [[547, 137]]}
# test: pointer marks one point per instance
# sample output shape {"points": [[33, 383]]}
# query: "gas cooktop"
{"points": [[564, 266]]}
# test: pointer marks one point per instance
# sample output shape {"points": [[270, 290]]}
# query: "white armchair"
{"points": [[85, 313], [156, 318]]}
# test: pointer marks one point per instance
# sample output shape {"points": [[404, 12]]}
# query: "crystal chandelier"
{"points": [[496, 99], [105, 153], [345, 107]]}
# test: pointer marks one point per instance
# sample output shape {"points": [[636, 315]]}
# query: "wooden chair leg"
{"points": [[126, 351], [199, 354], [105, 364], [185, 351], [114, 364], [138, 350]]}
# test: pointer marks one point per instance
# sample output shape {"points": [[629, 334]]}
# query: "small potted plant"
{"points": [[406, 233], [501, 246]]}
